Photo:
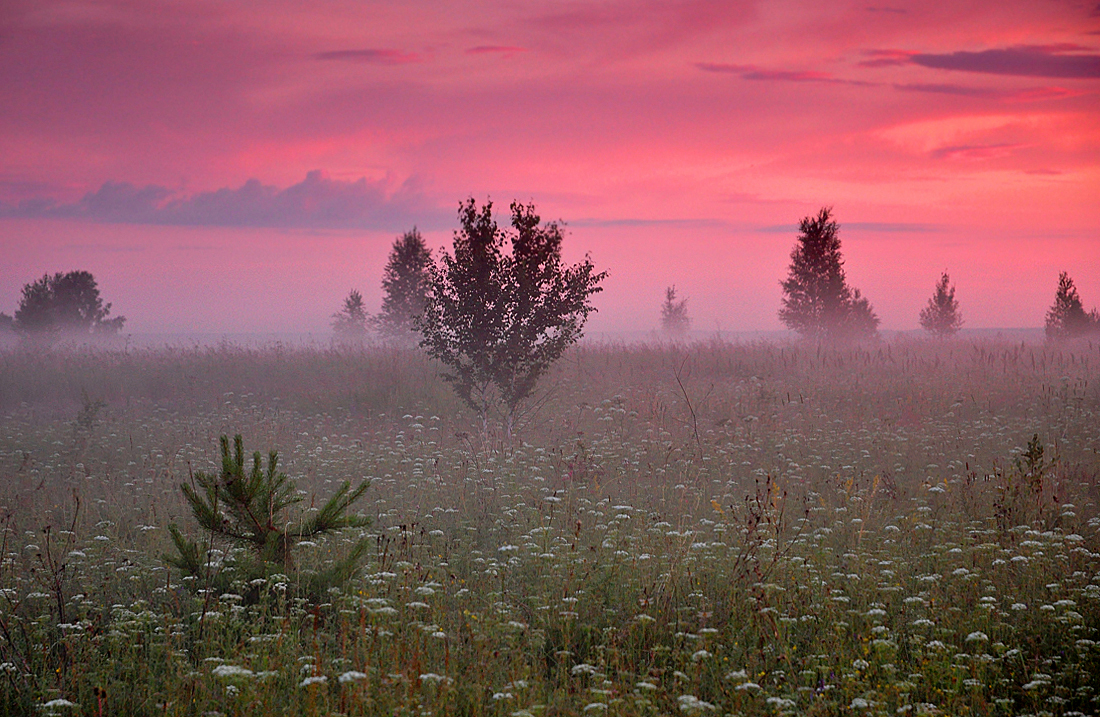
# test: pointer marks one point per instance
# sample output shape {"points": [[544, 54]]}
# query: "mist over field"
{"points": [[904, 527]]}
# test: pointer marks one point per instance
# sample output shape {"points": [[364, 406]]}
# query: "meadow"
{"points": [[904, 528]]}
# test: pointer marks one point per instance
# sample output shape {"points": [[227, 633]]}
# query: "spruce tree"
{"points": [[817, 301], [404, 285], [350, 323], [1067, 318], [941, 317], [674, 316]]}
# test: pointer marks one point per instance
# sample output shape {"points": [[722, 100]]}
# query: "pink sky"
{"points": [[238, 165]]}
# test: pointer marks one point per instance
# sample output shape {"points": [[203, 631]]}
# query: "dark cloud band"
{"points": [[315, 202], [1024, 61]]}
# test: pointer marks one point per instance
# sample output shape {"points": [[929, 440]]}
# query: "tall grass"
{"points": [[910, 528]]}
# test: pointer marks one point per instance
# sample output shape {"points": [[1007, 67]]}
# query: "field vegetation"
{"points": [[904, 528]]}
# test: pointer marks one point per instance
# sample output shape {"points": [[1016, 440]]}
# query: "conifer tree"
{"points": [[817, 301], [404, 286], [674, 316], [1067, 318], [350, 323], [249, 510], [942, 317]]}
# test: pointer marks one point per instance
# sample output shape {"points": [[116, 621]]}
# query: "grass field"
{"points": [[909, 528]]}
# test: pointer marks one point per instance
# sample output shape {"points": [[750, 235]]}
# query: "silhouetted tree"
{"points": [[64, 303], [404, 285], [674, 316], [1067, 317], [350, 323], [941, 317], [817, 301], [7, 324], [498, 320]]}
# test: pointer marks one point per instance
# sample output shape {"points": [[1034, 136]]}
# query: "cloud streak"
{"points": [[315, 202], [1064, 61], [1028, 94], [505, 50], [752, 72], [372, 56]]}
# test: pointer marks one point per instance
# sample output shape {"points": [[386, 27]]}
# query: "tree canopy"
{"points": [[65, 304], [817, 301], [497, 320]]}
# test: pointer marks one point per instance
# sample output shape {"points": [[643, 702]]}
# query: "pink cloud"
{"points": [[506, 50], [371, 56], [971, 151], [887, 58], [1026, 94], [752, 72]]}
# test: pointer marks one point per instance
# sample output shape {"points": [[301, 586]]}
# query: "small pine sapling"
{"points": [[249, 510]]}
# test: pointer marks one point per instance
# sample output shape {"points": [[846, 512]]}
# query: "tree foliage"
{"points": [[404, 285], [674, 315], [942, 317], [817, 301], [497, 320], [1067, 318], [350, 322], [250, 510], [64, 304]]}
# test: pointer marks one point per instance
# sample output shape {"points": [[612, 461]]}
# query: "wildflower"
{"points": [[54, 704], [584, 668], [226, 671], [351, 676], [700, 655], [315, 680], [977, 636], [435, 679], [691, 703], [595, 707]]}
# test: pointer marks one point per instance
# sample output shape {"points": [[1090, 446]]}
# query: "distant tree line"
{"points": [[501, 307], [819, 304]]}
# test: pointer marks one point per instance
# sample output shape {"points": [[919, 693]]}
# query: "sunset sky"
{"points": [[240, 165]]}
